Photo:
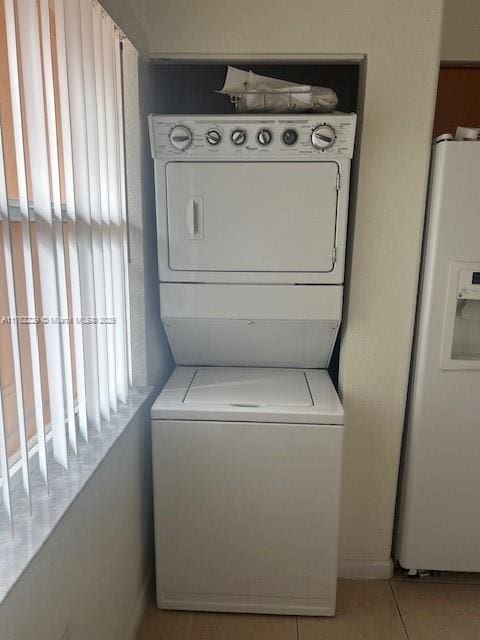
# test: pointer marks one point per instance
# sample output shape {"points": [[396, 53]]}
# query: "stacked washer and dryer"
{"points": [[247, 433]]}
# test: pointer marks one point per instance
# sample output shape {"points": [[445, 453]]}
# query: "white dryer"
{"points": [[247, 434]]}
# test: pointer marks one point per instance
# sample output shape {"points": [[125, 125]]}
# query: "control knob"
{"points": [[181, 137], [264, 137], [289, 137], [213, 137], [323, 137], [239, 137]]}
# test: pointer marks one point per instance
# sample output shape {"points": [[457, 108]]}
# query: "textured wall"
{"points": [[402, 54], [88, 581], [461, 31], [152, 359]]}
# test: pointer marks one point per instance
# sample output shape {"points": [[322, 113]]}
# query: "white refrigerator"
{"points": [[439, 507]]}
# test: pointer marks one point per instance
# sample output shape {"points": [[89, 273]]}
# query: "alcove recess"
{"points": [[190, 87]]}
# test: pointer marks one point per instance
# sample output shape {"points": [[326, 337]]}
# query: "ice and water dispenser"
{"points": [[461, 337]]}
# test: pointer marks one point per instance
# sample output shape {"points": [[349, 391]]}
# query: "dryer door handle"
{"points": [[194, 218]]}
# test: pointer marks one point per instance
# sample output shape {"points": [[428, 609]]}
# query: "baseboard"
{"points": [[365, 569], [140, 608]]}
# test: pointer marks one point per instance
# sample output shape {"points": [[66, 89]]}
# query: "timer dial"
{"points": [[239, 137], [181, 137], [264, 137], [213, 137], [323, 137]]}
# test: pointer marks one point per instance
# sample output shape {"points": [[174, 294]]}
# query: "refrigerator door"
{"points": [[439, 523]]}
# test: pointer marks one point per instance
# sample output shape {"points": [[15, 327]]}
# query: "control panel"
{"points": [[304, 136], [468, 285]]}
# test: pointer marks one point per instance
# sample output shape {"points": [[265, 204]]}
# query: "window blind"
{"points": [[65, 349]]}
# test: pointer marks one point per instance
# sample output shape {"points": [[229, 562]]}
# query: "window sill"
{"points": [[31, 531]]}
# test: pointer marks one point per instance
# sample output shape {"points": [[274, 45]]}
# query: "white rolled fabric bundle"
{"points": [[259, 93]]}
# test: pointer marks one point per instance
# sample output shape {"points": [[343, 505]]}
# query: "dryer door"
{"points": [[252, 216]]}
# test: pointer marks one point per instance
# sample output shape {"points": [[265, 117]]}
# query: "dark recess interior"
{"points": [[190, 88]]}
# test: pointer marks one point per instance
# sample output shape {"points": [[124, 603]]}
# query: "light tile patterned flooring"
{"points": [[432, 608]]}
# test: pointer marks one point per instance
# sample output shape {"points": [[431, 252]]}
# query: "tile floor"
{"points": [[432, 608]]}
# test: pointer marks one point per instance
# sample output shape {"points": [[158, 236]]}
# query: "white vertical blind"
{"points": [[66, 160], [64, 62], [4, 470], [81, 176], [34, 107], [91, 121], [123, 192], [114, 189], [57, 216], [104, 199], [21, 175], [12, 309]]}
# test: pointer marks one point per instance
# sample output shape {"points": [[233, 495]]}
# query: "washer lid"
{"points": [[249, 387], [249, 394]]}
